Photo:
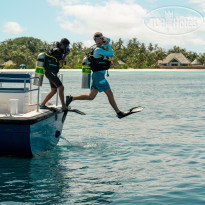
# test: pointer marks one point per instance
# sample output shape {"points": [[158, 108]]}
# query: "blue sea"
{"points": [[154, 157]]}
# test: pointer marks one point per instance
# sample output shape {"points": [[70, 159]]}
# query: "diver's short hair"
{"points": [[97, 35], [65, 41]]}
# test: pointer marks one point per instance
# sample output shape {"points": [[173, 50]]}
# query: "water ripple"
{"points": [[153, 157]]}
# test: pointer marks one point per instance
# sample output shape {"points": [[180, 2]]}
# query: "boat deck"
{"points": [[30, 117]]}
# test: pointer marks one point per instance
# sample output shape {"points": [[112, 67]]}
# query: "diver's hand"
{"points": [[105, 41], [61, 62], [68, 51]]}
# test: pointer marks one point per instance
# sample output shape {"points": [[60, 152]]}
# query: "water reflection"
{"points": [[55, 178], [38, 180], [14, 179]]}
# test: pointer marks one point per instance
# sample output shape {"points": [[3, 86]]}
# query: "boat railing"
{"points": [[19, 78], [61, 78], [23, 78]]}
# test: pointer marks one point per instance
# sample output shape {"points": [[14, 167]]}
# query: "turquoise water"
{"points": [[156, 156]]}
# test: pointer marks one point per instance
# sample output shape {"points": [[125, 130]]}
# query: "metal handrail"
{"points": [[61, 78], [30, 90], [38, 94], [36, 89]]}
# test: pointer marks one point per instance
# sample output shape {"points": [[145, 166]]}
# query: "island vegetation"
{"points": [[127, 54]]}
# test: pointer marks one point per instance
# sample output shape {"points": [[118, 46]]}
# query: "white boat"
{"points": [[24, 128]]}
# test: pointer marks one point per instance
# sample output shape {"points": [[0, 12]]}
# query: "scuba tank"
{"points": [[40, 69], [86, 73]]}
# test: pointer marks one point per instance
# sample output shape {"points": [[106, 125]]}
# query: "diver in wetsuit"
{"points": [[55, 58], [99, 82]]}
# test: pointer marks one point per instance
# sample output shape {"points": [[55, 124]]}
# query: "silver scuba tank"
{"points": [[40, 69], [86, 73]]}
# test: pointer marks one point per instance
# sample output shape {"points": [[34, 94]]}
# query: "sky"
{"points": [[163, 22]]}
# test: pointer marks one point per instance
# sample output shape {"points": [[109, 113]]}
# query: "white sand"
{"points": [[111, 70]]}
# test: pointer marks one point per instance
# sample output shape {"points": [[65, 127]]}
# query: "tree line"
{"points": [[133, 53]]}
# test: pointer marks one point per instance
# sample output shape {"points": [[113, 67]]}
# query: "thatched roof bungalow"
{"points": [[196, 62], [175, 59], [8, 63], [120, 62]]}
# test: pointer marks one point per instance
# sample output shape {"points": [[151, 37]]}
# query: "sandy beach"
{"points": [[112, 70]]}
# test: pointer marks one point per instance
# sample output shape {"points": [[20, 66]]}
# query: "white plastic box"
{"points": [[22, 102]]}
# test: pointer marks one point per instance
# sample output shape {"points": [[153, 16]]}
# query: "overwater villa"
{"points": [[178, 60]]}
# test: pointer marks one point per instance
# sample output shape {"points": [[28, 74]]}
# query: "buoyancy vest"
{"points": [[100, 63], [52, 59]]}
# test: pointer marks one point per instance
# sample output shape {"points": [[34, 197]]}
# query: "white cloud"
{"points": [[117, 19], [88, 43], [130, 1], [12, 28], [62, 2], [200, 2], [54, 2], [114, 18]]}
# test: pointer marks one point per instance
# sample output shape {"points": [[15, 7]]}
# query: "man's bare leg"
{"points": [[91, 96], [61, 96], [111, 99], [49, 96]]}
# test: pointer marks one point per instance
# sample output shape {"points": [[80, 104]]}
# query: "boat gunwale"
{"points": [[29, 120]]}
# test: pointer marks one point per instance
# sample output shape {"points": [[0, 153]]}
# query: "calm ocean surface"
{"points": [[154, 157]]}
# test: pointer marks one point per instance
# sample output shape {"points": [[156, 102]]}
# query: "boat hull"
{"points": [[30, 137]]}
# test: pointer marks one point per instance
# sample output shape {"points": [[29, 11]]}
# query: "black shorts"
{"points": [[53, 79]]}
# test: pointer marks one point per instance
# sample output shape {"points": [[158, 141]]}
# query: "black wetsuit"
{"points": [[52, 66]]}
